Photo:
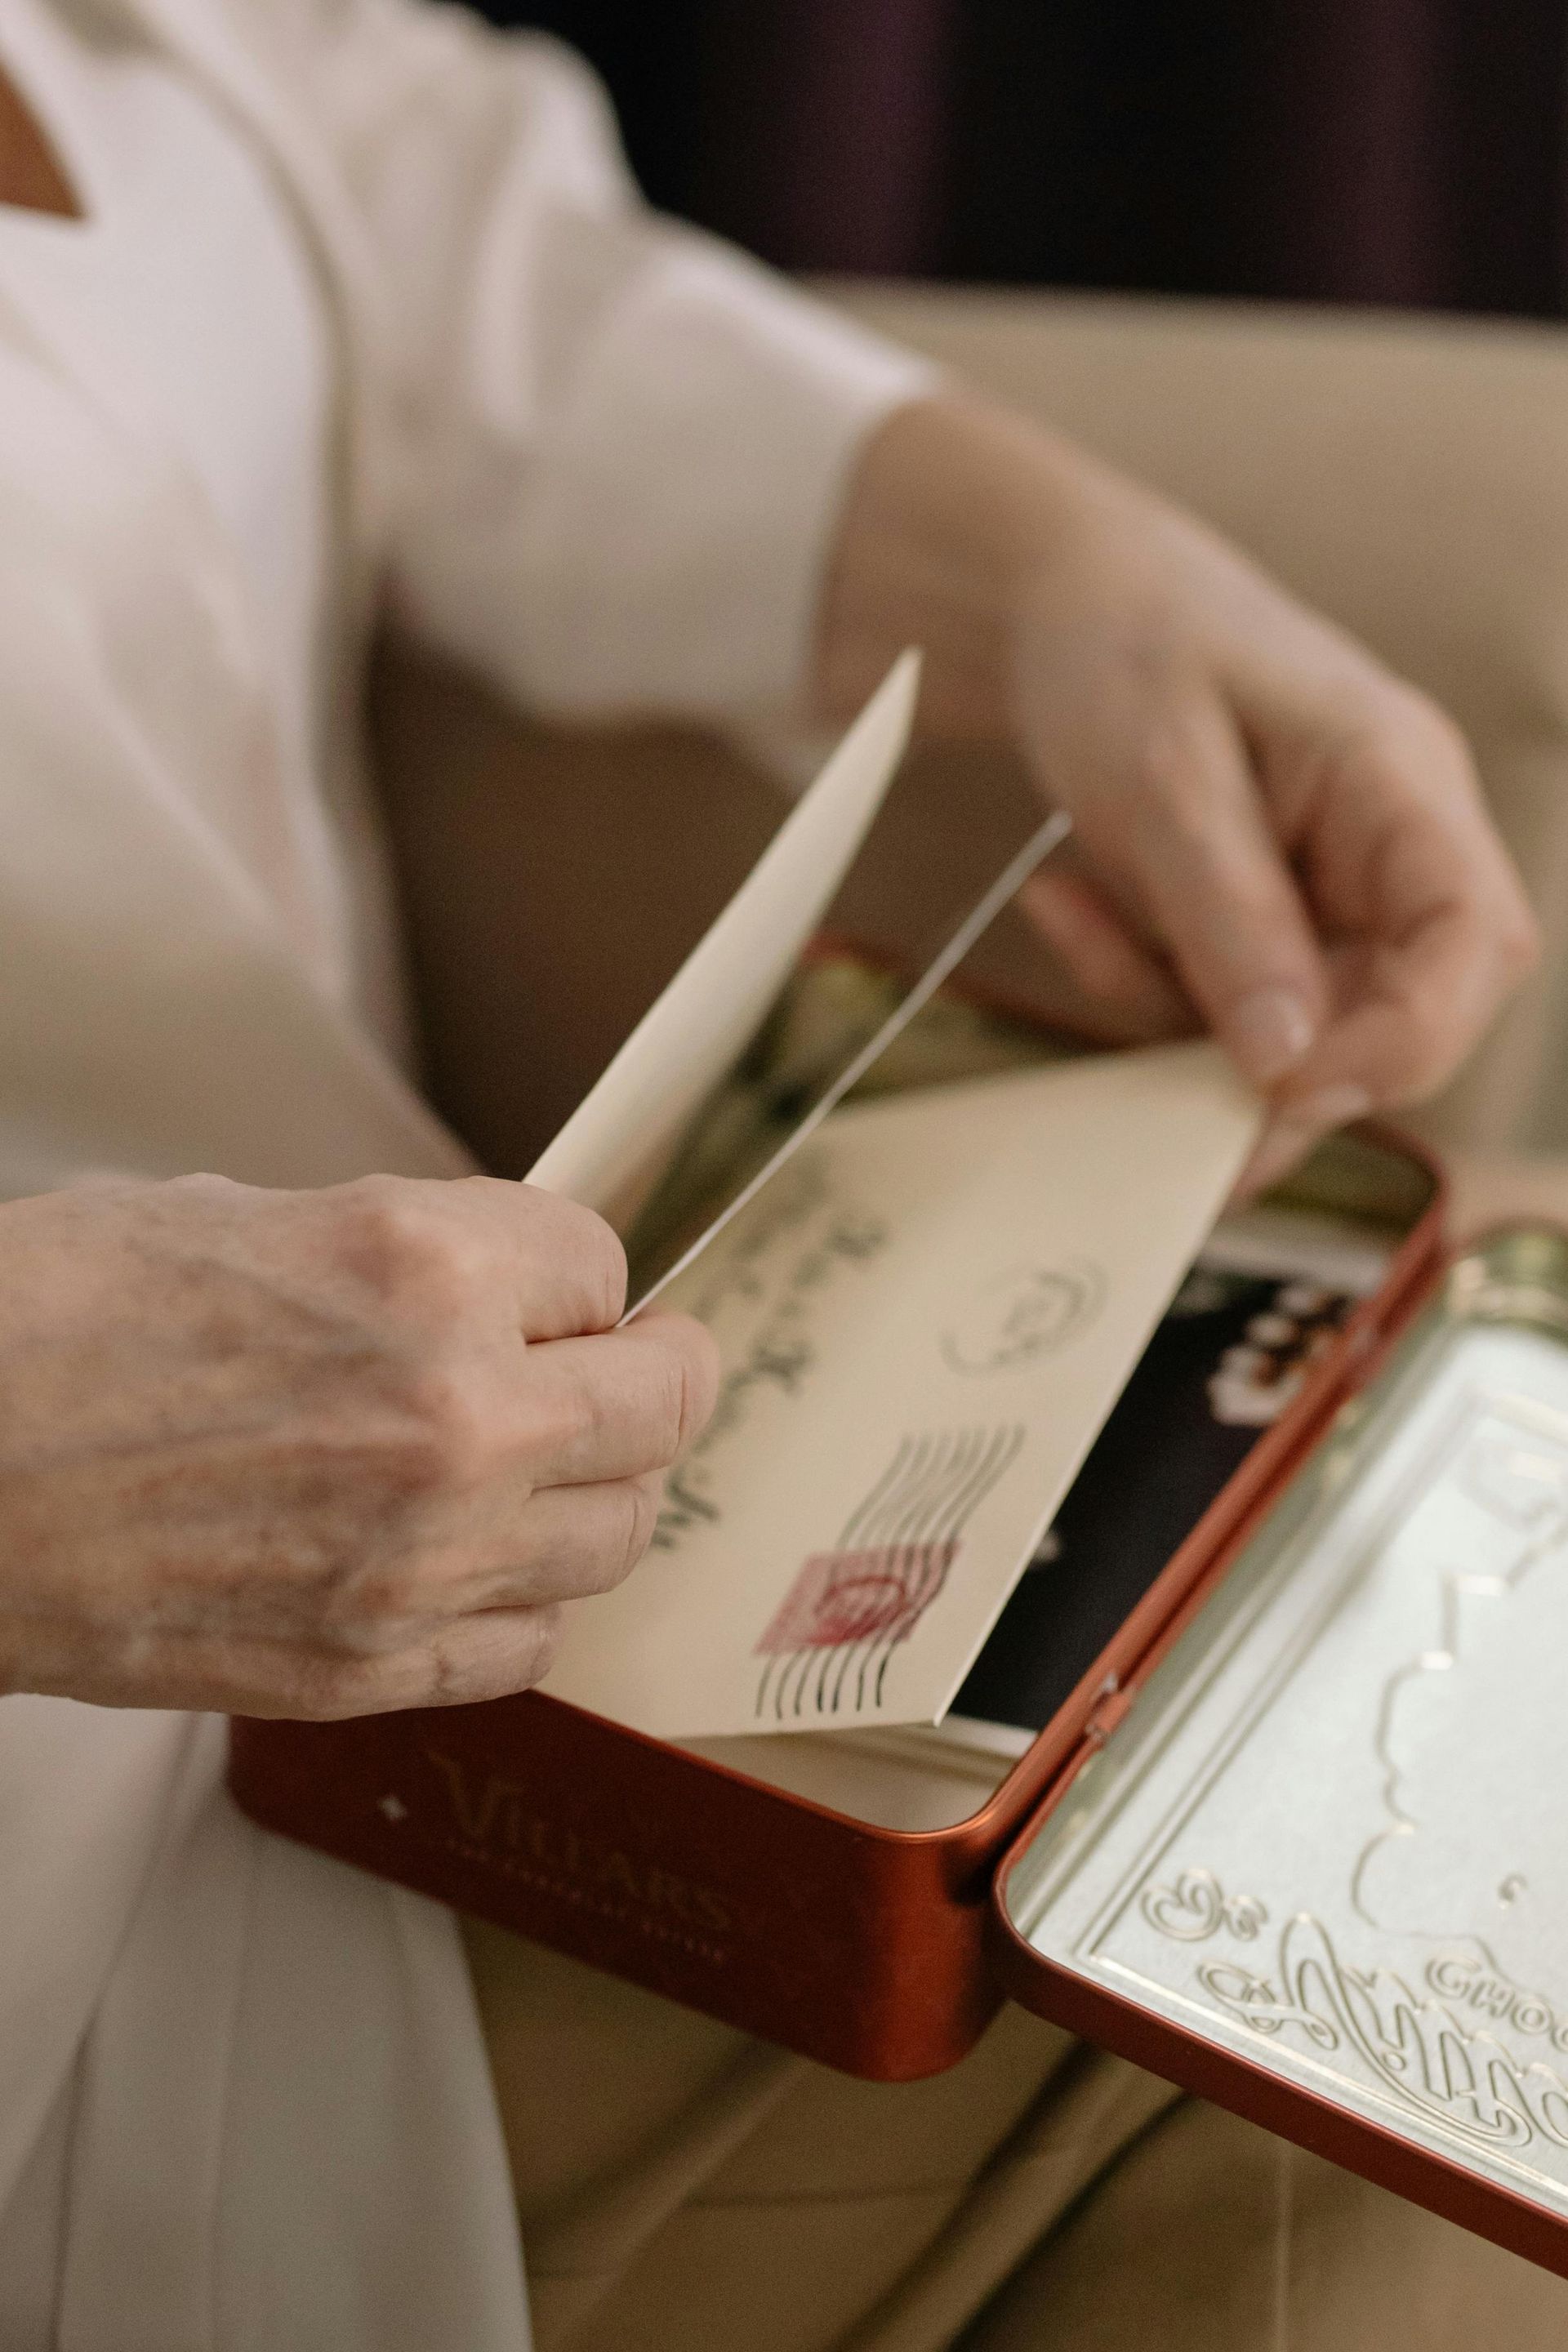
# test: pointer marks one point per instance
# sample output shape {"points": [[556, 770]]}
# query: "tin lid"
{"points": [[1326, 1846]]}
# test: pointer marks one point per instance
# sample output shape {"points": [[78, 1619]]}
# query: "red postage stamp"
{"points": [[858, 1596]]}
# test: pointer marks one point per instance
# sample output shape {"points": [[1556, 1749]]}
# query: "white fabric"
{"points": [[242, 2096], [215, 347]]}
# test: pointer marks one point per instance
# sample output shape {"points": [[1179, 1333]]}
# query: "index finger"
{"points": [[569, 1266], [1187, 840], [617, 1404], [1416, 993]]}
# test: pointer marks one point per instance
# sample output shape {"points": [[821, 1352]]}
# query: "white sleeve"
{"points": [[626, 444]]}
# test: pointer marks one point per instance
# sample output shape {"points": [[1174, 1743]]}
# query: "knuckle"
{"points": [[1419, 724], [516, 1651], [215, 1191], [565, 1418], [1404, 740], [587, 1255], [446, 1668], [683, 1383], [541, 1643], [1163, 777], [637, 1505], [599, 1256], [608, 1258], [394, 1235], [699, 1392], [667, 1413], [445, 1677]]}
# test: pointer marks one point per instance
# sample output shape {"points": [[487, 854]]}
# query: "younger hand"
{"points": [[1276, 838], [1270, 828]]}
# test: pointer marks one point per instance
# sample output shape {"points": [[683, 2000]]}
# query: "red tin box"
{"points": [[829, 1892], [1269, 1846], [1213, 1855]]}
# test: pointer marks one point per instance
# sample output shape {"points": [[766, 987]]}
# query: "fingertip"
{"points": [[1269, 1032]]}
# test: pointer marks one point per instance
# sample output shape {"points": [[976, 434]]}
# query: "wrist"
{"points": [[957, 513]]}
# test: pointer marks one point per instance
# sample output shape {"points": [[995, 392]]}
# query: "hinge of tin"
{"points": [[1110, 1709]]}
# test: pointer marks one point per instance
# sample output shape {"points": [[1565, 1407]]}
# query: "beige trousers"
{"points": [[684, 2189]]}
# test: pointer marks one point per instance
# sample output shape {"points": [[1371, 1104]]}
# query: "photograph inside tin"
{"points": [[1328, 1837], [923, 1318], [1255, 1317]]}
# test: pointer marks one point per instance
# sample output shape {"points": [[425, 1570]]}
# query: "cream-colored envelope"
{"points": [[925, 1314], [925, 1319]]}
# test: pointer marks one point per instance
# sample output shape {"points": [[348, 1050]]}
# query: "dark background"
{"points": [[1404, 151]]}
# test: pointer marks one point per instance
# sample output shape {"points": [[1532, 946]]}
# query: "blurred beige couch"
{"points": [[1409, 477]]}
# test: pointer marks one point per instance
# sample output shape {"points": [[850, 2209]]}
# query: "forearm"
{"points": [[955, 513]]}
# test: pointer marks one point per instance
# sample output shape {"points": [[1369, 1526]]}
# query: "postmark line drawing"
{"points": [[849, 1608]]}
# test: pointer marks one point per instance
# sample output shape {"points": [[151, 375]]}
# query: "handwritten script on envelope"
{"points": [[924, 1321]]}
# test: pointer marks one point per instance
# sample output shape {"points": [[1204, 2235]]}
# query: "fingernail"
{"points": [[1269, 1032], [1333, 1107]]}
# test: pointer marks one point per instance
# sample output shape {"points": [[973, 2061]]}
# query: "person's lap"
{"points": [[1209, 2233], [684, 2189]]}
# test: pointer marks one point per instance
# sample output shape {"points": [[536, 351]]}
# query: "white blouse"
{"points": [[363, 306], [215, 347], [215, 350]]}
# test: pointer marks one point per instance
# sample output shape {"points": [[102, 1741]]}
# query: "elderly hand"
{"points": [[318, 1454], [1274, 835]]}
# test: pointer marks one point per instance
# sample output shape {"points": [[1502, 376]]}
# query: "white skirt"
{"points": [[243, 2097]]}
